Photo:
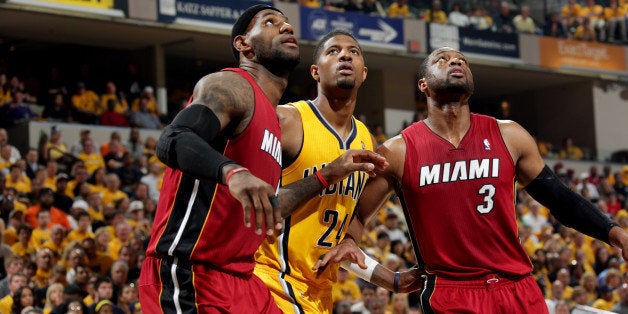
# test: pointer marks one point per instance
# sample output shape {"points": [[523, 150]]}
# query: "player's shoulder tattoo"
{"points": [[224, 92]]}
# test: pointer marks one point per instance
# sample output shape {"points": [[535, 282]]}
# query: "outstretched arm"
{"points": [[375, 193], [293, 195], [404, 282], [570, 208]]}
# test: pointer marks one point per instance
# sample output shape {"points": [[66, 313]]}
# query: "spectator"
{"points": [[57, 216], [16, 282], [345, 289], [585, 32], [22, 248], [554, 27], [91, 159], [5, 91], [12, 265], [22, 299], [32, 162], [569, 150], [605, 301], [61, 199], [503, 21], [142, 117], [148, 93], [435, 14], [112, 118], [113, 159], [399, 304], [54, 148], [480, 20], [457, 17], [77, 147], [16, 179], [120, 104], [523, 22], [595, 13], [153, 179], [115, 136], [373, 7], [58, 110], [399, 9], [570, 14], [134, 144], [86, 105], [622, 305], [4, 141], [54, 297], [614, 15], [367, 292]]}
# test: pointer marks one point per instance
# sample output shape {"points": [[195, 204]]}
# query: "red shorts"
{"points": [[490, 295], [171, 287]]}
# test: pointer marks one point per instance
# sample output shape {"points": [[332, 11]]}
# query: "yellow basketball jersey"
{"points": [[319, 224]]}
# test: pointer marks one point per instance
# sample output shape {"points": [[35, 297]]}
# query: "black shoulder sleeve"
{"points": [[185, 144], [568, 207]]}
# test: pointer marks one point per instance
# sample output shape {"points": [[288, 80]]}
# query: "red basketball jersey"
{"points": [[199, 219], [463, 200]]}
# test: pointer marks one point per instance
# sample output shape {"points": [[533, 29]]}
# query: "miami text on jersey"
{"points": [[459, 170], [272, 145], [351, 186]]}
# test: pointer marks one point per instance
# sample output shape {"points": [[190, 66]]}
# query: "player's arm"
{"points": [[293, 195], [222, 105], [570, 208], [185, 144], [375, 273], [375, 193]]}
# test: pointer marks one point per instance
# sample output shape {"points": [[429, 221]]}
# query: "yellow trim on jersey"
{"points": [[321, 222]]}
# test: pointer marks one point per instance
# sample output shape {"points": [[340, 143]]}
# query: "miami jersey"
{"points": [[319, 224], [199, 220], [463, 197]]}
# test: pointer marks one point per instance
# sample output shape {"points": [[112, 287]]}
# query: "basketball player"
{"points": [[454, 172], [314, 133]]}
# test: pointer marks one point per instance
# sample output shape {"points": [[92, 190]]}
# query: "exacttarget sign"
{"points": [[556, 53]]}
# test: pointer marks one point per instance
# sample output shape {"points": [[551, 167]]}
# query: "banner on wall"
{"points": [[106, 7], [368, 30], [468, 40], [556, 53], [215, 11]]}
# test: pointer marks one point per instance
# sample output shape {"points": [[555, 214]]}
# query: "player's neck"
{"points": [[337, 111], [272, 84], [450, 121]]}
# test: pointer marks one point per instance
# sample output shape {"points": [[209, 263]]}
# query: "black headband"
{"points": [[240, 26]]}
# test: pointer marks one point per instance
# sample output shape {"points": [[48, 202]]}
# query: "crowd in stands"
{"points": [[74, 222], [80, 105], [587, 20]]}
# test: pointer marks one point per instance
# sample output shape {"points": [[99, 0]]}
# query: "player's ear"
{"points": [[314, 72], [241, 44], [422, 85], [365, 71]]}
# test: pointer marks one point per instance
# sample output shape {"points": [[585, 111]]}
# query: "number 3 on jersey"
{"points": [[488, 191], [330, 216]]}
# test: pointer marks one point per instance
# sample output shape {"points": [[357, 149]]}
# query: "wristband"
{"points": [[232, 172], [358, 271], [321, 179], [396, 282]]}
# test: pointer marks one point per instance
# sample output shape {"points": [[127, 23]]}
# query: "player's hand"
{"points": [[255, 194], [351, 161], [411, 279], [346, 250]]}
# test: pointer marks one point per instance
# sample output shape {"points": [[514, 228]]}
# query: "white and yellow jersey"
{"points": [[319, 224]]}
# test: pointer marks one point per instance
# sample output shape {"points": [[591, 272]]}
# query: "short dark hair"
{"points": [[242, 24], [319, 46]]}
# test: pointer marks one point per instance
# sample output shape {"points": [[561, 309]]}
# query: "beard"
{"points": [[449, 87], [346, 83], [275, 59]]}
